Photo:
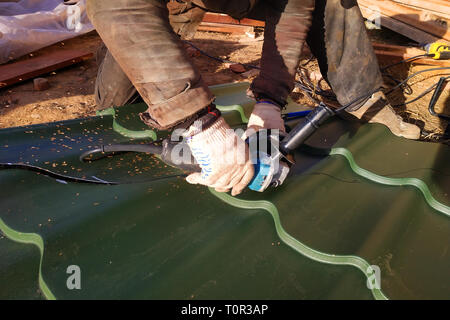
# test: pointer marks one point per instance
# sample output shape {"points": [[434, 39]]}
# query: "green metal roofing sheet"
{"points": [[156, 237]]}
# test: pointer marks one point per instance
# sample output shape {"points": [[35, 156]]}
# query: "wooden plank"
{"points": [[223, 27], [400, 27], [19, 71], [223, 18], [392, 47], [439, 7], [410, 16], [398, 56], [430, 13]]}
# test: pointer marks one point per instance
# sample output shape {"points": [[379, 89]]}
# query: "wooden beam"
{"points": [[392, 47], [223, 27], [399, 55], [223, 18], [15, 72], [399, 27], [412, 17], [439, 7]]}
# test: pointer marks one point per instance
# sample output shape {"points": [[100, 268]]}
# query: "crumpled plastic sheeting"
{"points": [[28, 25]]}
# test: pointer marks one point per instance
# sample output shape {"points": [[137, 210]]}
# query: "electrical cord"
{"points": [[427, 55], [304, 64], [435, 98], [405, 86], [219, 59], [366, 96], [310, 89], [407, 89], [413, 75], [399, 84], [305, 84], [424, 93]]}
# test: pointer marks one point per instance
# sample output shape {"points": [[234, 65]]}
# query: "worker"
{"points": [[145, 57]]}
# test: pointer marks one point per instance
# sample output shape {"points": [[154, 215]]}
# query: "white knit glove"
{"points": [[264, 116], [223, 157]]}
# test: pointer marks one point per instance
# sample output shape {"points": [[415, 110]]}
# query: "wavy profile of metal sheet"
{"points": [[156, 237]]}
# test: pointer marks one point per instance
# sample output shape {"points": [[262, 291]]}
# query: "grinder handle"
{"points": [[305, 129]]}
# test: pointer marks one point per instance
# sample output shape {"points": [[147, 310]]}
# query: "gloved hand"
{"points": [[264, 116], [223, 157]]}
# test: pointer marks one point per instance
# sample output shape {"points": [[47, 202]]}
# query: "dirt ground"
{"points": [[71, 93]]}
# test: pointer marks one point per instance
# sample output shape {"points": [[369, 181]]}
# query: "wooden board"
{"points": [[439, 7], [223, 18], [412, 17], [19, 71], [398, 56], [224, 27], [397, 53], [400, 27], [392, 47]]}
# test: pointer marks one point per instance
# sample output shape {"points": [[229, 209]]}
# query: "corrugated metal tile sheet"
{"points": [[156, 237]]}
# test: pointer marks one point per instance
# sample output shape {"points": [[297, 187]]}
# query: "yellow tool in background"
{"points": [[439, 50]]}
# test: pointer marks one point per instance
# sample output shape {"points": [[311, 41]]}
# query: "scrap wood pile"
{"points": [[423, 21], [217, 22], [428, 25]]}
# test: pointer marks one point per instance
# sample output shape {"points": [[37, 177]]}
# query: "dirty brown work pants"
{"points": [[146, 54]]}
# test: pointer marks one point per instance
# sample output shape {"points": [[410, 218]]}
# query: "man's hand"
{"points": [[264, 116], [223, 157]]}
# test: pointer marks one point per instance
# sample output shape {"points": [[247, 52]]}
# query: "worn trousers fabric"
{"points": [[157, 66], [285, 33], [339, 40], [139, 37]]}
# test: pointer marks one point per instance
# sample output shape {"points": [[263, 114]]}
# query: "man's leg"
{"points": [[112, 86], [287, 25], [184, 18], [143, 43], [339, 40]]}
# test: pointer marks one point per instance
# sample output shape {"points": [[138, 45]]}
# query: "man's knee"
{"points": [[112, 86], [184, 18], [94, 8]]}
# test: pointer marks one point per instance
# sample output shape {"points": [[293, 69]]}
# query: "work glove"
{"points": [[222, 156], [265, 115]]}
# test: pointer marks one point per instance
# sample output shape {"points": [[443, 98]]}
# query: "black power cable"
{"points": [[405, 86], [310, 89], [427, 55], [413, 75], [424, 93], [435, 98], [364, 97], [219, 59]]}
